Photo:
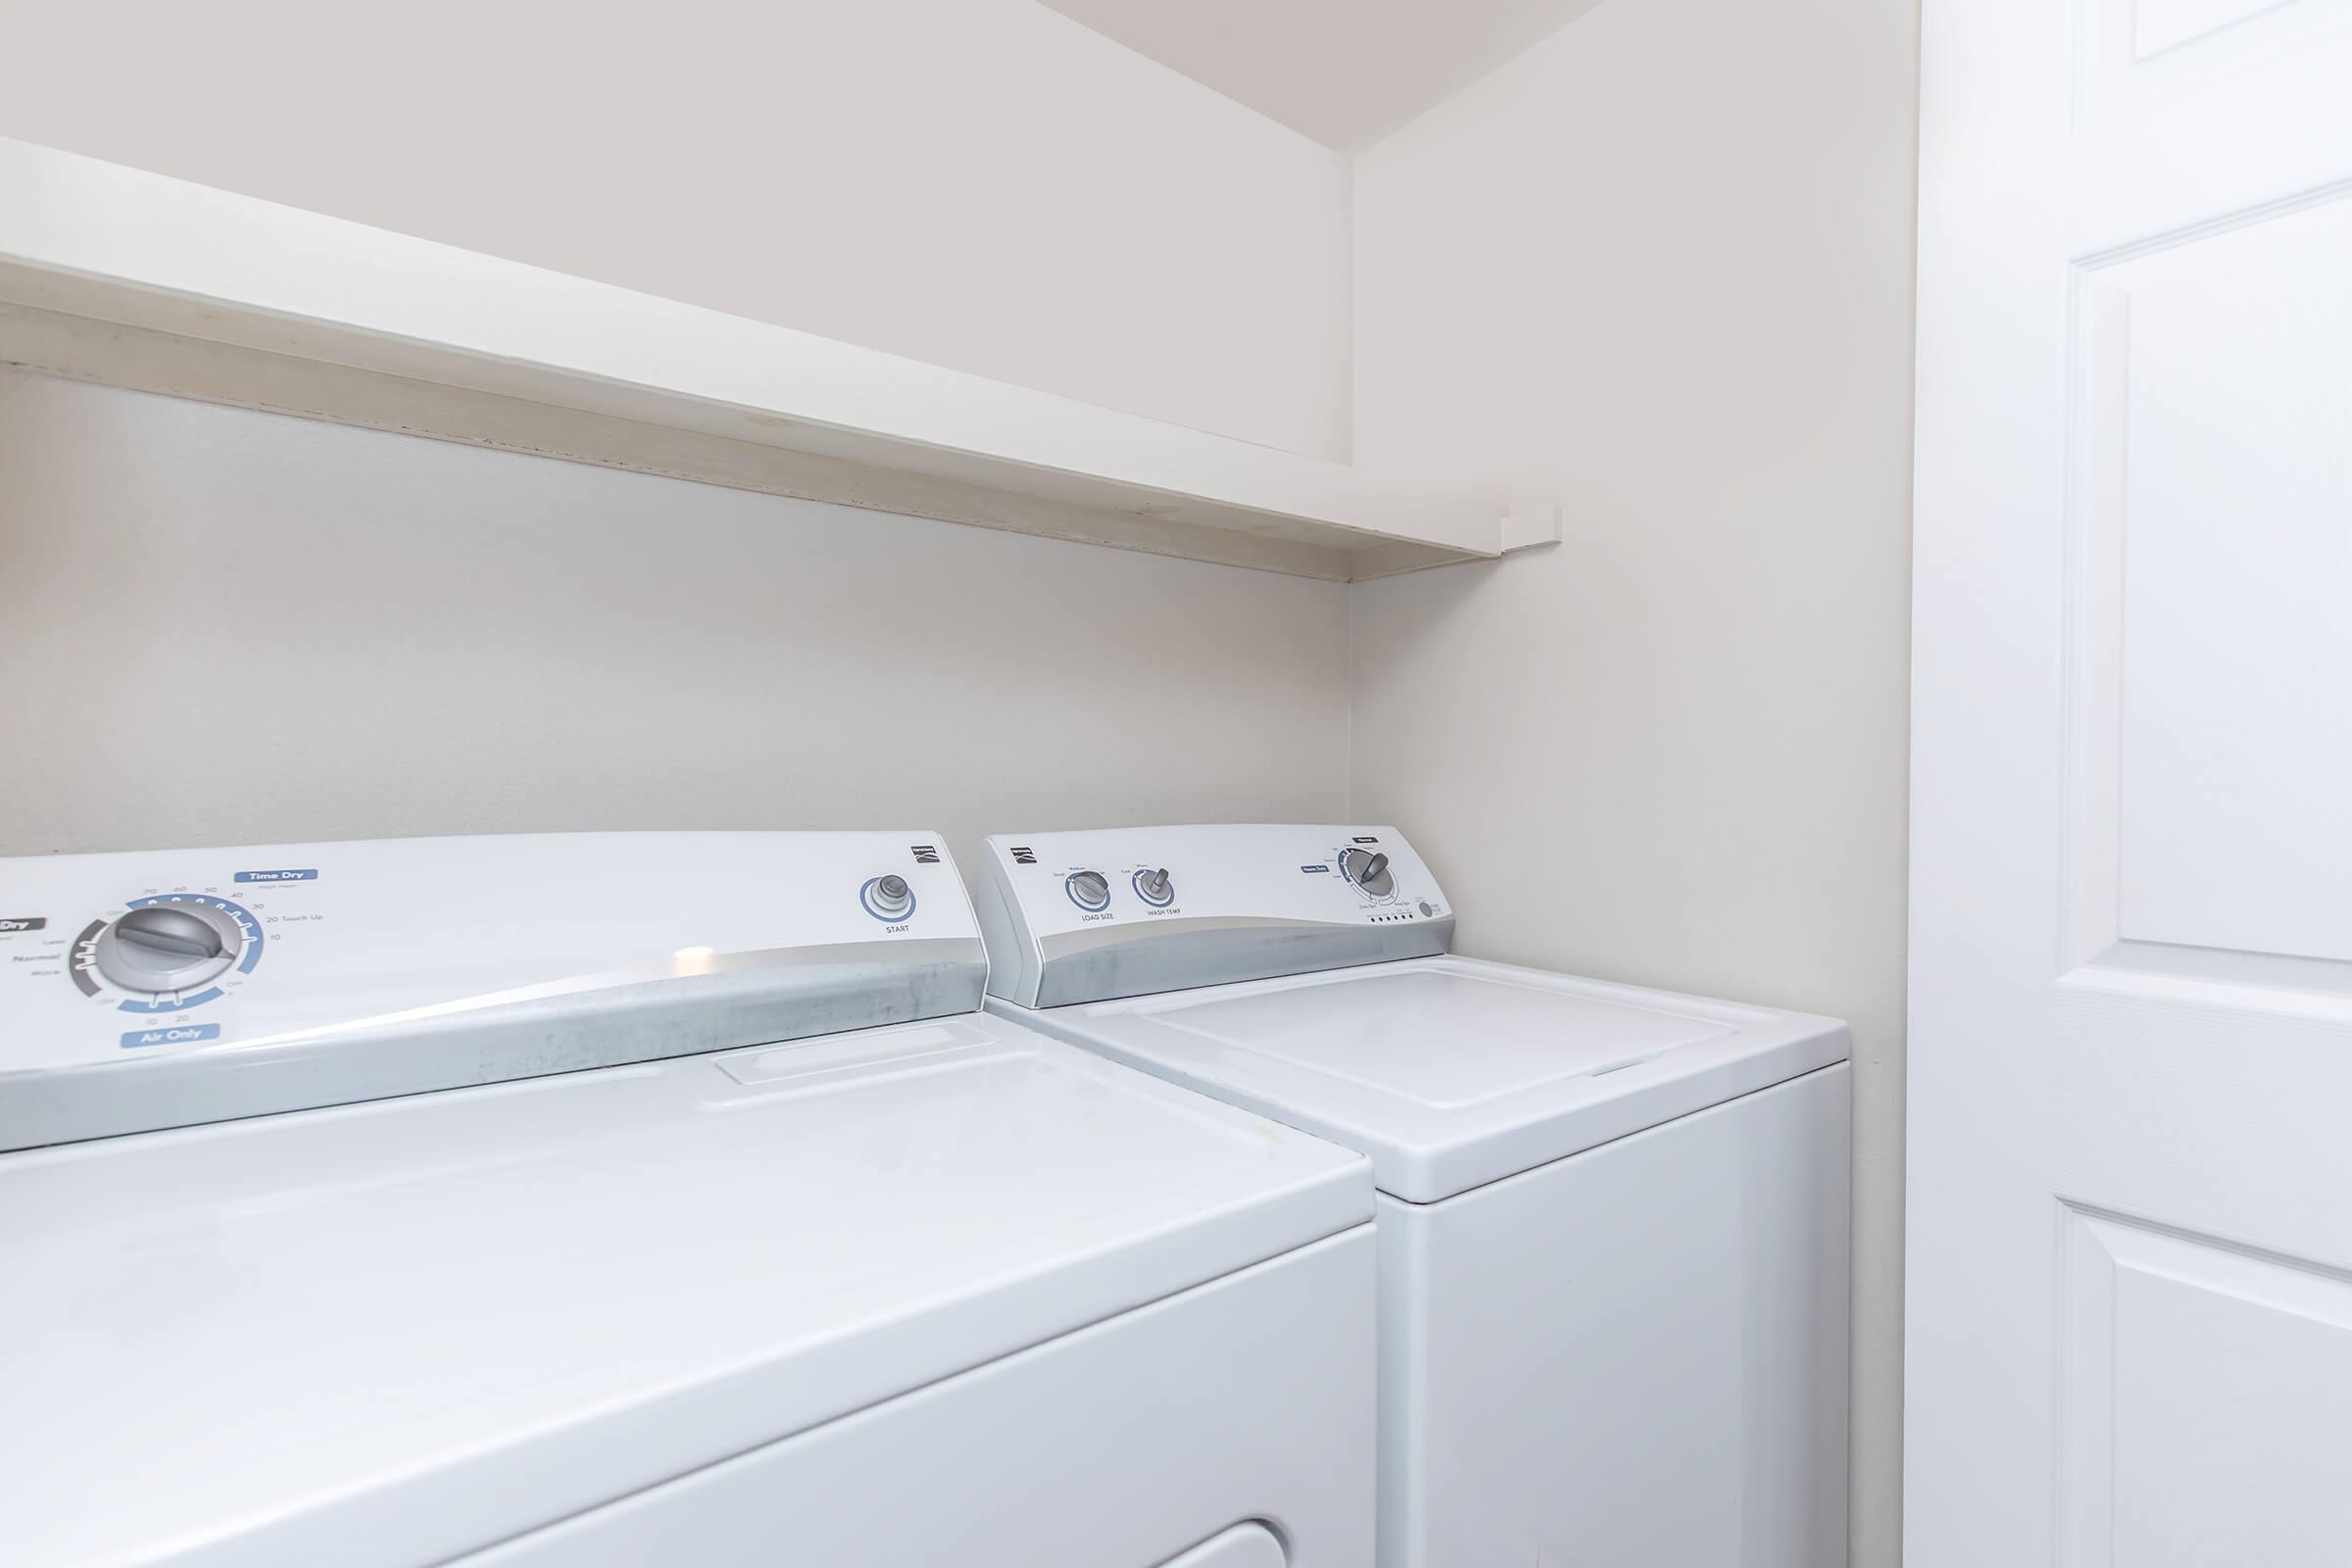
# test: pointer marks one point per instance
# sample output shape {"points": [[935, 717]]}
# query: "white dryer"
{"points": [[1613, 1220], [631, 1199]]}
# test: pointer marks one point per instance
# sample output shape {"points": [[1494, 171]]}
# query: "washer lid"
{"points": [[1451, 1072], [394, 1332]]}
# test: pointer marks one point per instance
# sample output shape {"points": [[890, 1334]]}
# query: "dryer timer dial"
{"points": [[161, 948]]}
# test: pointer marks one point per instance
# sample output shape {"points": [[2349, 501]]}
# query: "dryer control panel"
{"points": [[390, 966], [1089, 916]]}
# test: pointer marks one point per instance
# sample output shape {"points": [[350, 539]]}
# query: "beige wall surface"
{"points": [[232, 627], [984, 184], [1660, 265]]}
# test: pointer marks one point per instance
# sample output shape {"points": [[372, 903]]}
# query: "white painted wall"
{"points": [[1662, 265], [232, 627], [982, 183]]}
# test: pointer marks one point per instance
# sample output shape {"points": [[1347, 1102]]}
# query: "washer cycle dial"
{"points": [[1368, 871], [1088, 889], [163, 948]]}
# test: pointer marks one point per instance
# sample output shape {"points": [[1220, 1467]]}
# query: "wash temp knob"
{"points": [[1155, 886]]}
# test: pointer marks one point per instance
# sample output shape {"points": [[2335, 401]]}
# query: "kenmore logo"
{"points": [[1022, 854], [925, 854]]}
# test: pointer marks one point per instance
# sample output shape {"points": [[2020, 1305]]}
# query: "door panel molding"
{"points": [[2152, 1469], [2182, 932]]}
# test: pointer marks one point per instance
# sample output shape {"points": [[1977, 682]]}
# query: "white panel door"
{"points": [[2130, 1125]]}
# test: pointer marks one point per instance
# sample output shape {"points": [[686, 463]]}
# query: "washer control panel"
{"points": [[1195, 904], [112, 958], [1356, 875]]}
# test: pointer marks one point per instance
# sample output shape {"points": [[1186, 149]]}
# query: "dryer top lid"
{"points": [[399, 1331]]}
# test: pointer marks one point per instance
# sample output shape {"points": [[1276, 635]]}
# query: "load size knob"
{"points": [[1088, 889], [162, 947], [1367, 870]]}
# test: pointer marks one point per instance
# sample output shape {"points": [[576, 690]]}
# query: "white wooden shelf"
{"points": [[115, 276]]}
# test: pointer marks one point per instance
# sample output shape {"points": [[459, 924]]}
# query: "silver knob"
{"points": [[889, 897], [1155, 886], [162, 947], [1370, 870], [1088, 889]]}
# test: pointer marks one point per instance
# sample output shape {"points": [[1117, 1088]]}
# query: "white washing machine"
{"points": [[632, 1198], [1612, 1221]]}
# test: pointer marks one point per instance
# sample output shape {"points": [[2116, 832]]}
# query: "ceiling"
{"points": [[1345, 71]]}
